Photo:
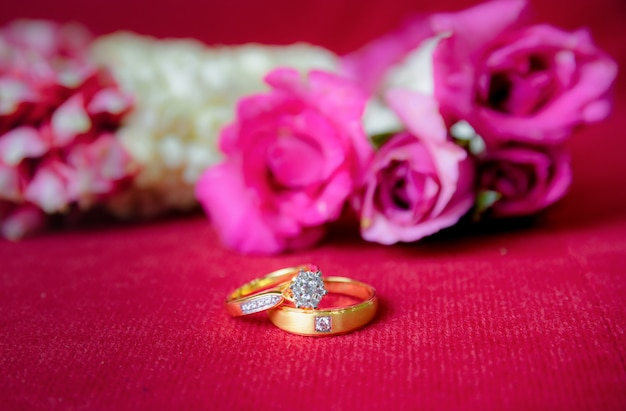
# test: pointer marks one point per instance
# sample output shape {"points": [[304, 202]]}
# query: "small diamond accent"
{"points": [[308, 289], [260, 303], [323, 324]]}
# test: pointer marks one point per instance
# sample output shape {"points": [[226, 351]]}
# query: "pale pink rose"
{"points": [[57, 115], [293, 156], [419, 182], [528, 84], [526, 178]]}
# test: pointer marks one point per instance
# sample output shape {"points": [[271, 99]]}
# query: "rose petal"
{"points": [[368, 65], [231, 207], [110, 101], [419, 113], [10, 187], [295, 162], [20, 143], [337, 98], [112, 158], [415, 72], [14, 92], [70, 120], [476, 26], [48, 188]]}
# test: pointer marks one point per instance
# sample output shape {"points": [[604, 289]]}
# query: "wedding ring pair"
{"points": [[291, 297]]}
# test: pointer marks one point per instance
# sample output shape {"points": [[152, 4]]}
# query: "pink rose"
{"points": [[525, 178], [293, 156], [532, 84], [419, 182]]}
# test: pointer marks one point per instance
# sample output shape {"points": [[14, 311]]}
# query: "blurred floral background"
{"points": [[448, 113]]}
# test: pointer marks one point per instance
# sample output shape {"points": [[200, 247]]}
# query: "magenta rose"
{"points": [[418, 182], [528, 84], [525, 178], [293, 156]]}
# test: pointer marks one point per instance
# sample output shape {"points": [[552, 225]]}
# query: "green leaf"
{"points": [[378, 140], [484, 200]]}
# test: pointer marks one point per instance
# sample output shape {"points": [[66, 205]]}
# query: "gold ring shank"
{"points": [[261, 293], [330, 321]]}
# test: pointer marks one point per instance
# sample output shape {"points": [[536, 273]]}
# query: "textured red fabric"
{"points": [[114, 316]]}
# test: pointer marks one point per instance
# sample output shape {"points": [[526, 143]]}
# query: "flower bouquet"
{"points": [[466, 112], [451, 115]]}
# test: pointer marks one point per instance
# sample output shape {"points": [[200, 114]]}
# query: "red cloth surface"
{"points": [[130, 316]]}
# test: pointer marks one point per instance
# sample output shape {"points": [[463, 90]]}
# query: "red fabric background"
{"points": [[113, 316]]}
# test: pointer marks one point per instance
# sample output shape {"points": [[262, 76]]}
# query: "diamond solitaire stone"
{"points": [[323, 324], [308, 289]]}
